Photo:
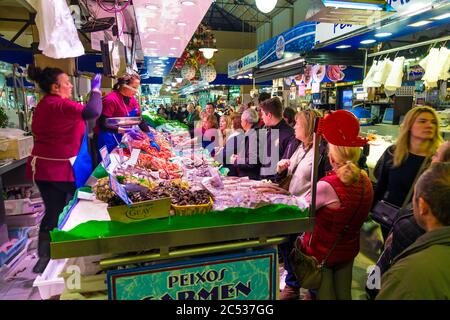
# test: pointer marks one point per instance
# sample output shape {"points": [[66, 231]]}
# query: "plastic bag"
{"points": [[57, 33]]}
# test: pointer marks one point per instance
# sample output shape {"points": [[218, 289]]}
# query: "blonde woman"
{"points": [[398, 167], [300, 152], [344, 198], [225, 128]]}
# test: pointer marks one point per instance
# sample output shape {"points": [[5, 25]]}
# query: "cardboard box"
{"points": [[151, 209], [16, 148], [67, 65]]}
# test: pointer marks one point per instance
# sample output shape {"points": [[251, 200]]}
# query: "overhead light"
{"points": [[265, 6], [152, 42], [353, 5], [368, 41], [181, 24], [152, 6], [179, 80], [343, 46], [442, 16], [208, 53], [383, 34], [176, 38], [188, 3], [290, 63], [420, 23], [171, 54], [153, 49], [173, 49], [163, 58], [151, 29]]}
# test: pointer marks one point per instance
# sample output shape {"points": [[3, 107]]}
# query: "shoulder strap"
{"points": [[421, 170], [347, 226], [301, 159]]}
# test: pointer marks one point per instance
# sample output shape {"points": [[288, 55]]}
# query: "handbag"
{"points": [[306, 268], [385, 213]]}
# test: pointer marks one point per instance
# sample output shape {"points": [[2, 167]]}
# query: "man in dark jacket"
{"points": [[192, 117], [422, 270], [246, 161], [278, 134], [211, 110]]}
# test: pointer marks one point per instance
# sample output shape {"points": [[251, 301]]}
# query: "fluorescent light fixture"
{"points": [[151, 29], [171, 54], [188, 3], [176, 38], [442, 16], [352, 5], [182, 24], [173, 49], [383, 34], [288, 54], [420, 23], [290, 63], [152, 42], [343, 46], [368, 41], [163, 58], [152, 6], [152, 49]]}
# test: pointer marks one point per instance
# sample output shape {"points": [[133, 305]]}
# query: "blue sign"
{"points": [[300, 38], [244, 276], [119, 190]]}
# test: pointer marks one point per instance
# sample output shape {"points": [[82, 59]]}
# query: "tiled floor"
{"points": [[16, 283]]}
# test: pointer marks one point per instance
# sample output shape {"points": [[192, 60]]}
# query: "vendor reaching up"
{"points": [[121, 103], [60, 161]]}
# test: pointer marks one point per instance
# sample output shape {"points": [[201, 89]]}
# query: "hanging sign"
{"points": [[327, 31], [298, 39], [243, 65], [245, 276]]}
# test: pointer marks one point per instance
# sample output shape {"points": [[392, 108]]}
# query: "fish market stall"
{"points": [[153, 219]]}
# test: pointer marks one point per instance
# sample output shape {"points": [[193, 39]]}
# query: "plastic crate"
{"points": [[23, 206], [50, 283], [16, 248], [24, 220], [16, 148]]}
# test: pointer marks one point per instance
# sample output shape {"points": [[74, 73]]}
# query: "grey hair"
{"points": [[250, 115]]}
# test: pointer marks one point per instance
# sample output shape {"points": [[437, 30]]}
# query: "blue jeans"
{"points": [[285, 250]]}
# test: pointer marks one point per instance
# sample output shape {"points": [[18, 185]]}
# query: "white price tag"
{"points": [[134, 157]]}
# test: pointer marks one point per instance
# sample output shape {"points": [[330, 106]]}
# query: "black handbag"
{"points": [[306, 268], [386, 213]]}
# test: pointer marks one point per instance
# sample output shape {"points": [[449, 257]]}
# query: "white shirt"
{"points": [[301, 180]]}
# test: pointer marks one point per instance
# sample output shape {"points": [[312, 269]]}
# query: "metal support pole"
{"points": [[314, 174]]}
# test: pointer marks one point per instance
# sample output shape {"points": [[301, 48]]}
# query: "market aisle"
{"points": [[17, 283]]}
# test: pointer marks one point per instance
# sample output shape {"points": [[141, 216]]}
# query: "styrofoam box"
{"points": [[50, 284], [23, 206], [25, 220]]}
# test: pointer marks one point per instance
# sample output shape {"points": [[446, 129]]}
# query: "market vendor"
{"points": [[121, 103], [60, 161]]}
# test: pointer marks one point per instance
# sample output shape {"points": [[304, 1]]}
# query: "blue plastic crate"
{"points": [[22, 235]]}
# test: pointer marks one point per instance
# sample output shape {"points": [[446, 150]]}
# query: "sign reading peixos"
{"points": [[242, 65], [247, 276]]}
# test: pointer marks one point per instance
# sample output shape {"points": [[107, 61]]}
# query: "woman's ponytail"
{"points": [[348, 173], [346, 159]]}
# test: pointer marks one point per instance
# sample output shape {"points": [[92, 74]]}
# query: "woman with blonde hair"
{"points": [[225, 128], [398, 167], [344, 198]]}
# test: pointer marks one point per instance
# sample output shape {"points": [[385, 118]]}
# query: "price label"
{"points": [[119, 190], [105, 157], [134, 157]]}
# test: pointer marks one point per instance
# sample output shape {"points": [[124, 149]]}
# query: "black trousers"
{"points": [[56, 196]]}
